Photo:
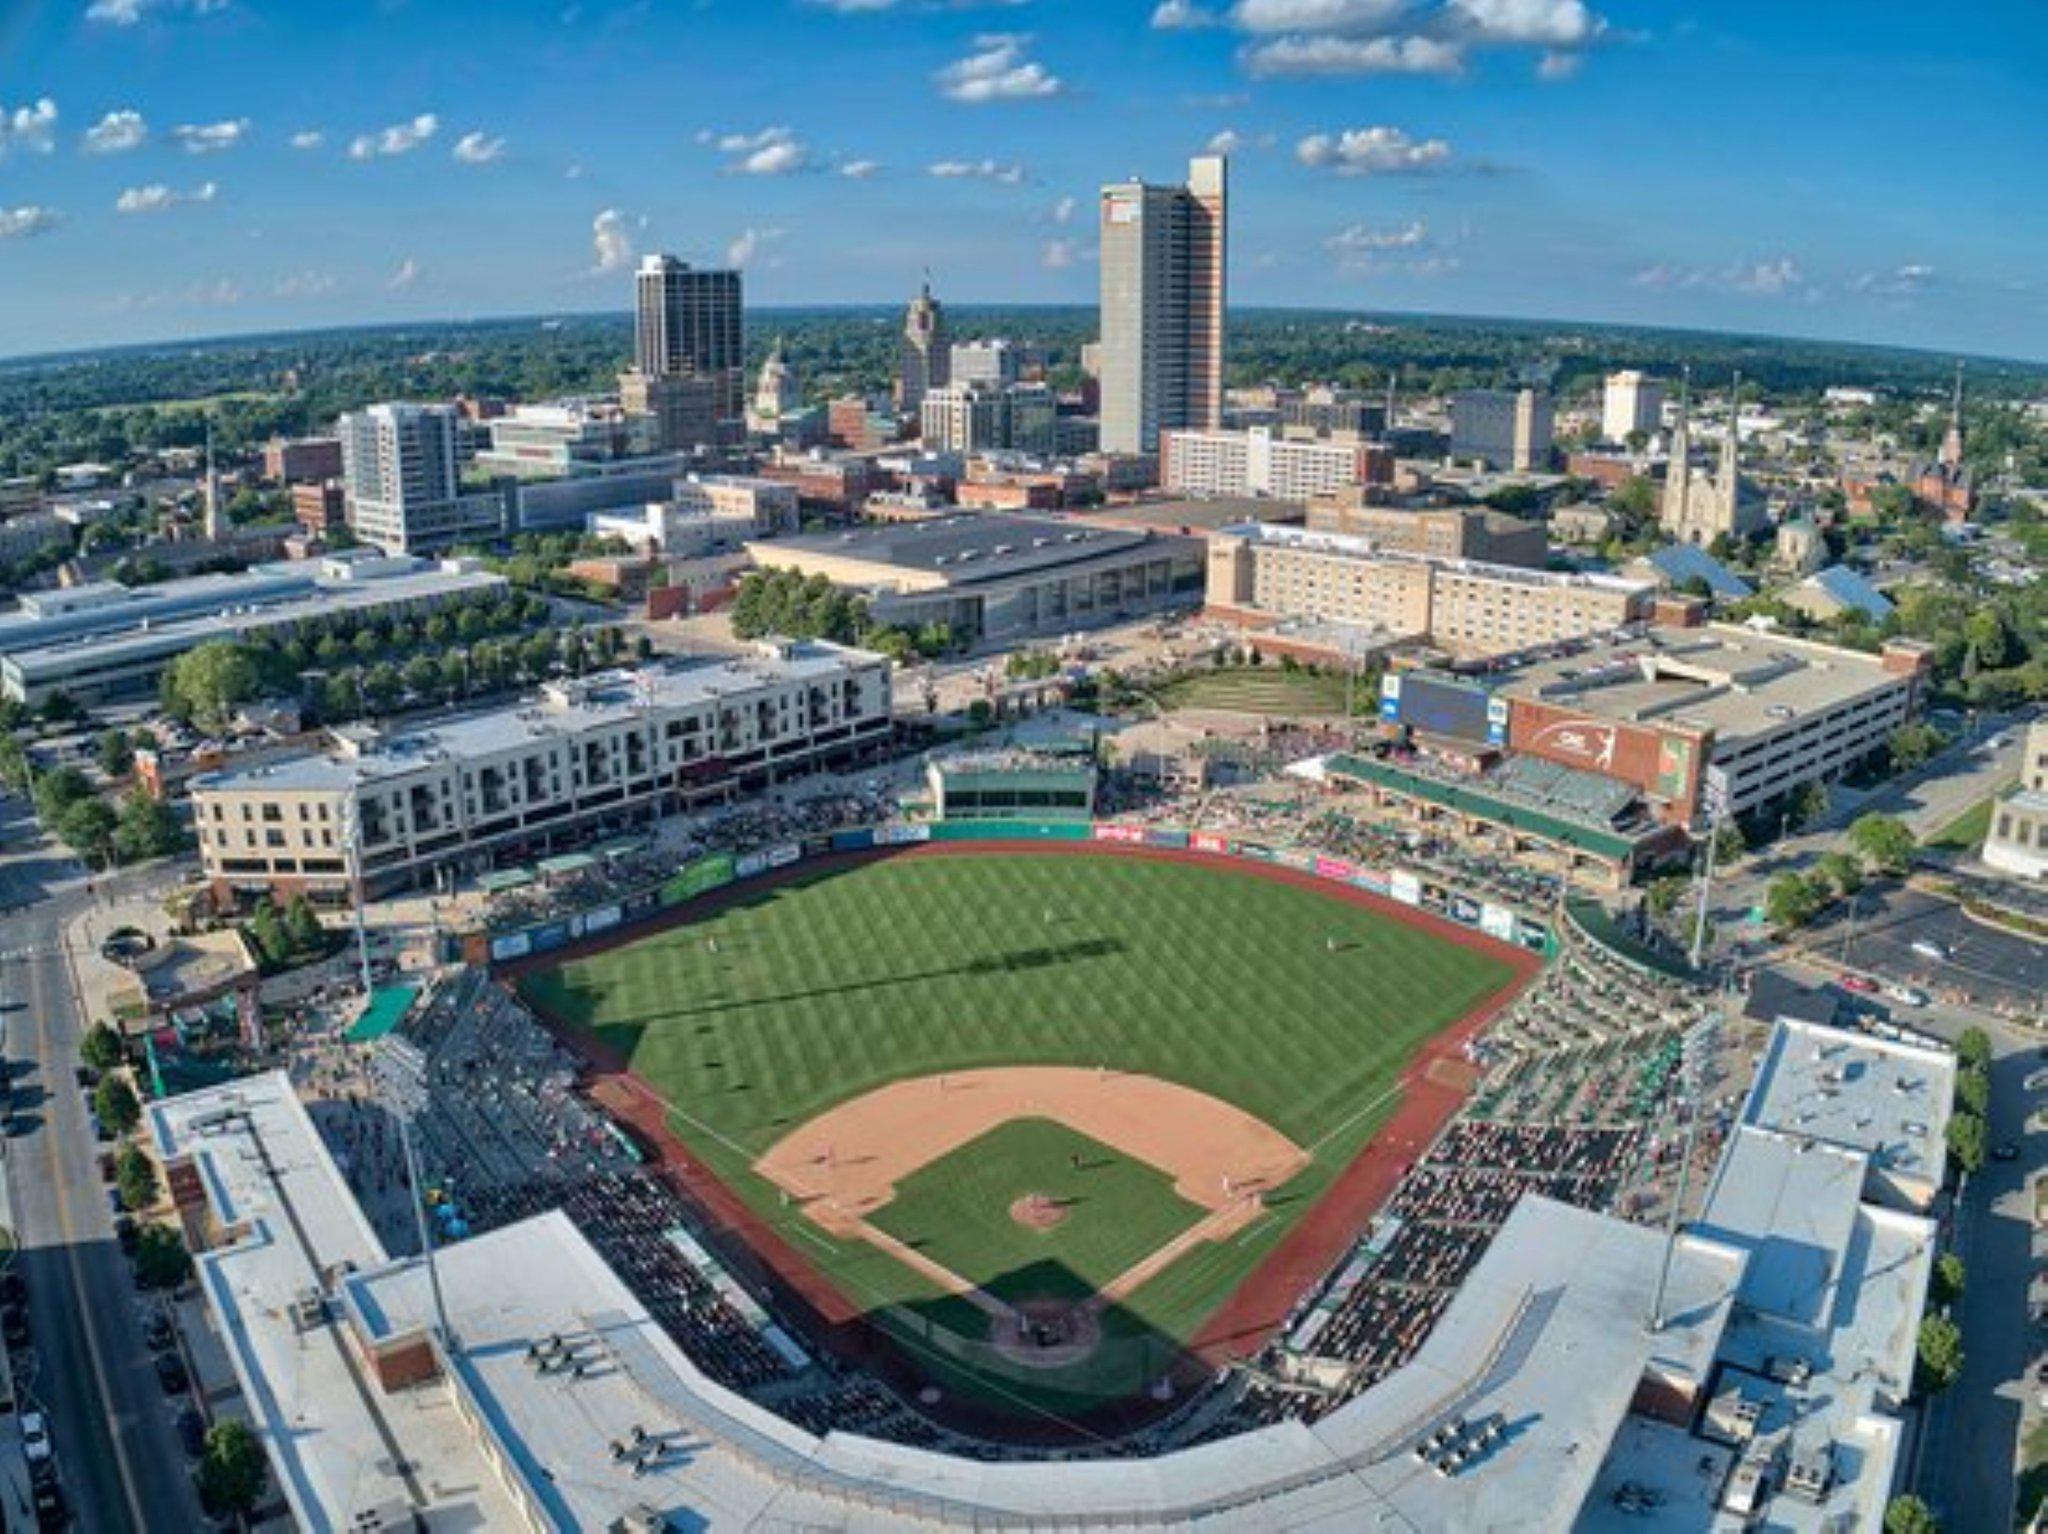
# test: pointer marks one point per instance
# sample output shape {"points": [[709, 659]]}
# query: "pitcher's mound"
{"points": [[1038, 1211]]}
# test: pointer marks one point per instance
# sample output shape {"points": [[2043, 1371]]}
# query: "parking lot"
{"points": [[1908, 937]]}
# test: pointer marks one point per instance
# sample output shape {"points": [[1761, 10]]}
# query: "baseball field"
{"points": [[1037, 1115]]}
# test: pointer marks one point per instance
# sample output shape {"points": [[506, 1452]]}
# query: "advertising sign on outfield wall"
{"points": [[1129, 835], [852, 841], [553, 935], [1497, 921], [901, 836], [1372, 879], [1208, 841], [1404, 887], [747, 864], [783, 856], [513, 945], [597, 921], [1160, 836], [1336, 868], [714, 871]]}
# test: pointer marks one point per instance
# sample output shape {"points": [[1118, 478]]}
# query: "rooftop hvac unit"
{"points": [[642, 1519]]}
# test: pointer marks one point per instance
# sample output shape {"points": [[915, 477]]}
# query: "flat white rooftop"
{"points": [[339, 1447], [1887, 1097]]}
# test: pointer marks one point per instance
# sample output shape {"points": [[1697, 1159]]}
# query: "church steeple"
{"points": [[1951, 457], [1731, 450]]}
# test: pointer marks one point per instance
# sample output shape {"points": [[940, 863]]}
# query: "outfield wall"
{"points": [[718, 870]]}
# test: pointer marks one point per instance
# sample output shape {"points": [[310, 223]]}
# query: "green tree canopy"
{"points": [[1941, 1353], [1909, 1515], [1884, 840], [1968, 1141], [101, 1048], [116, 1104], [233, 1470], [208, 683]]}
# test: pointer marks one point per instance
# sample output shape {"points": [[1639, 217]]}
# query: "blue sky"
{"points": [[1851, 168]]}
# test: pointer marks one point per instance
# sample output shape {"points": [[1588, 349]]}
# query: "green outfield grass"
{"points": [[1265, 689], [1295, 1006]]}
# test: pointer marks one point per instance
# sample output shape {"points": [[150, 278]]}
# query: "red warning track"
{"points": [[1432, 1091]]}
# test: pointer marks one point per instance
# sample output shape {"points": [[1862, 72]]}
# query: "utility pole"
{"points": [[352, 834], [1698, 1040]]}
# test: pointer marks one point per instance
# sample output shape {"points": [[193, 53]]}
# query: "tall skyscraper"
{"points": [[401, 482], [924, 359], [1163, 277], [689, 325]]}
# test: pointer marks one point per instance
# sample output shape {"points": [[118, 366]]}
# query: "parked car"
{"points": [[1927, 948], [170, 1373], [13, 1288], [1857, 983], [1906, 995], [125, 1232], [35, 1438], [14, 1326], [158, 1332], [192, 1432]]}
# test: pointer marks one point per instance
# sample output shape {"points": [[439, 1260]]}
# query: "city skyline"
{"points": [[166, 174]]}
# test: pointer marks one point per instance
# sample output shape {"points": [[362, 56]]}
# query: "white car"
{"points": [[1928, 949], [1906, 995], [35, 1437]]}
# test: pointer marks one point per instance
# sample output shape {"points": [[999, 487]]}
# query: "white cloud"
{"points": [[116, 133], [611, 237], [1225, 141], [158, 198], [1063, 211], [1326, 54], [1183, 16], [399, 138], [978, 170], [1363, 237], [1543, 23], [997, 71], [1900, 282], [1058, 255], [1370, 17], [32, 127], [771, 151], [1775, 277], [210, 138], [29, 220], [746, 245], [308, 138], [405, 276], [860, 170], [1556, 64], [127, 13], [478, 149], [306, 285], [1377, 151]]}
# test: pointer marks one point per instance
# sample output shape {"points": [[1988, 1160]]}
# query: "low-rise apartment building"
{"points": [[1262, 572], [582, 757]]}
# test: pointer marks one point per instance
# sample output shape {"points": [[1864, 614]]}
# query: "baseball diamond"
{"points": [[1052, 1121]]}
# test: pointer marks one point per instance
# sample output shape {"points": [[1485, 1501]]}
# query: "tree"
{"points": [[1666, 892], [1967, 1141], [135, 1178], [1840, 870], [1884, 840], [1807, 806], [87, 827], [1948, 1279], [302, 926], [116, 753], [102, 1048], [146, 828], [1729, 843], [161, 1261], [1973, 1090], [1914, 745], [57, 791], [117, 1105], [266, 931], [1909, 1515], [233, 1471], [1973, 1048], [1941, 1354], [1791, 902], [212, 680]]}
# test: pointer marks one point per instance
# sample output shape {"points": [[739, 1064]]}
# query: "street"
{"points": [[92, 1372]]}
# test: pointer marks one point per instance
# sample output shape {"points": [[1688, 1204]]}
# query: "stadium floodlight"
{"points": [[406, 1100], [1697, 1047]]}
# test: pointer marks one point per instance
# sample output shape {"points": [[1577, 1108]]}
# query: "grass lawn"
{"points": [[957, 1209], [1295, 1006], [1966, 832], [1262, 690]]}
